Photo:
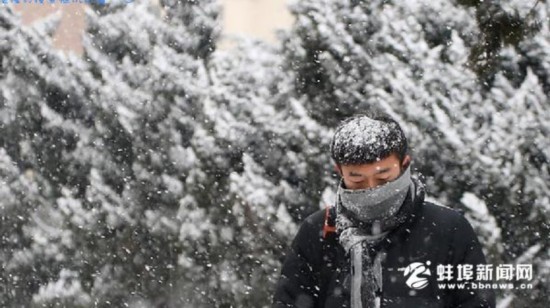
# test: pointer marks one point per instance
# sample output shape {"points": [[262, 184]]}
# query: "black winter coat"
{"points": [[315, 271]]}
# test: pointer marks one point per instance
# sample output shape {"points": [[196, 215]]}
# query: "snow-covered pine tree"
{"points": [[223, 151], [280, 171], [21, 194], [412, 60], [200, 21], [513, 169], [517, 116], [501, 24], [71, 135], [153, 51], [82, 142], [39, 132]]}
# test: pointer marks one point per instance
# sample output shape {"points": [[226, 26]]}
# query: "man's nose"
{"points": [[371, 183], [365, 184]]}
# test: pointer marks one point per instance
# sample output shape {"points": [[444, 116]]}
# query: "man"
{"points": [[381, 244]]}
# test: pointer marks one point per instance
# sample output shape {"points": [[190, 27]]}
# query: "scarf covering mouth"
{"points": [[379, 203], [358, 239]]}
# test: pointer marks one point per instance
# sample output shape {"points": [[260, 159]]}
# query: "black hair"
{"points": [[363, 139]]}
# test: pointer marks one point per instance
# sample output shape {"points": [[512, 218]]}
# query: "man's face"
{"points": [[374, 174]]}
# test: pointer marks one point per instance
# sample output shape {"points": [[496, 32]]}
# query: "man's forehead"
{"points": [[368, 169]]}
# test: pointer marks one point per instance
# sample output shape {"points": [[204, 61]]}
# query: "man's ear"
{"points": [[406, 161], [338, 169]]}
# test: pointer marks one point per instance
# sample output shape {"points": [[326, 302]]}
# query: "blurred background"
{"points": [[258, 19]]}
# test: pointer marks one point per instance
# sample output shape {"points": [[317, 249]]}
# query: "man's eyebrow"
{"points": [[383, 170]]}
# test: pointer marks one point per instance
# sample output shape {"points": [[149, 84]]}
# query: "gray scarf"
{"points": [[359, 233]]}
